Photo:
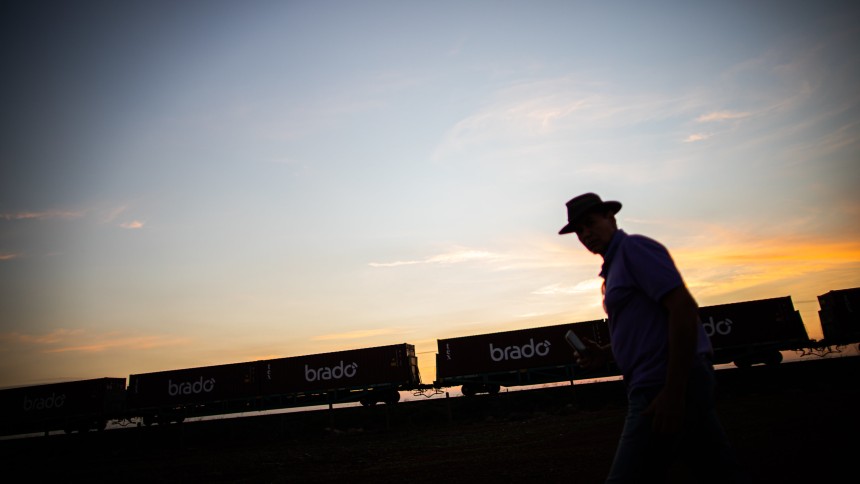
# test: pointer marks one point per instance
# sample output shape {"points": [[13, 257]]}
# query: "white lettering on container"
{"points": [[723, 327], [528, 350], [190, 387], [331, 373], [44, 403]]}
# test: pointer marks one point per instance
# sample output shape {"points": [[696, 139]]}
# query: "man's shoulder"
{"points": [[639, 249], [640, 241]]}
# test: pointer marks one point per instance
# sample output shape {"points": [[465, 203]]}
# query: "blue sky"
{"points": [[193, 183]]}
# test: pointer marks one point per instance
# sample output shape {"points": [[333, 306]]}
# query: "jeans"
{"points": [[646, 456]]}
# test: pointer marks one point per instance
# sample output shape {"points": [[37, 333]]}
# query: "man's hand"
{"points": [[594, 356]]}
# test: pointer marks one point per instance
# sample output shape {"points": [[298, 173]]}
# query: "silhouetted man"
{"points": [[660, 346]]}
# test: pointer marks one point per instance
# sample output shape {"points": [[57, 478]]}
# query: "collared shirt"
{"points": [[638, 273]]}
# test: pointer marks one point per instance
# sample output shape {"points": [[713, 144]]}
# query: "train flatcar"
{"points": [[367, 375], [173, 395], [374, 374], [745, 333], [485, 362], [752, 332], [70, 406]]}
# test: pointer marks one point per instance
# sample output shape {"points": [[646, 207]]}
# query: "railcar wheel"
{"points": [[774, 359], [493, 389], [468, 390], [392, 397]]}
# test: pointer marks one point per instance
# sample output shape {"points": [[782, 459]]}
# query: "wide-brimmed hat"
{"points": [[584, 204]]}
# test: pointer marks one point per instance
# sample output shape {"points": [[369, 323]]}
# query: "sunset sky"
{"points": [[203, 182]]}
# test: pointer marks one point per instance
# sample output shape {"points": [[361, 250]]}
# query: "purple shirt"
{"points": [[638, 272]]}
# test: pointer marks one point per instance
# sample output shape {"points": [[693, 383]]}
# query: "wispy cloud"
{"points": [[455, 257], [109, 342], [696, 137], [101, 216], [722, 116], [10, 256], [584, 287], [42, 215], [525, 113], [50, 338], [66, 340], [135, 224], [566, 126], [112, 214]]}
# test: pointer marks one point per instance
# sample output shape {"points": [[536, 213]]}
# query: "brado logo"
{"points": [[723, 327], [329, 373], [528, 350], [44, 403], [190, 388]]}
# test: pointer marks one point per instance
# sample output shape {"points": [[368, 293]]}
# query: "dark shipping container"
{"points": [[75, 405], [193, 386], [763, 326], [840, 315], [512, 351], [383, 366], [176, 394], [748, 332]]}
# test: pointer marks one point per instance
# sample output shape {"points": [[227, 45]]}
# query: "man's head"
{"points": [[593, 221]]}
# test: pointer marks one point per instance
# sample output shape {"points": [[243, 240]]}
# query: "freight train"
{"points": [[745, 333]]}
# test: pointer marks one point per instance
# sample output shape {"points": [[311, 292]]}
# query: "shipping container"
{"points": [[345, 373], [172, 395], [369, 375], [520, 357], [840, 316], [754, 331], [71, 406]]}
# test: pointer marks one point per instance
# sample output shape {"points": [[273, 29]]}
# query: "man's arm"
{"points": [[683, 314], [596, 356], [683, 317]]}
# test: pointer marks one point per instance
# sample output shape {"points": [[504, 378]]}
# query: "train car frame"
{"points": [[367, 375], [486, 362]]}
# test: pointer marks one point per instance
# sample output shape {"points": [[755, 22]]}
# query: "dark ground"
{"points": [[797, 422]]}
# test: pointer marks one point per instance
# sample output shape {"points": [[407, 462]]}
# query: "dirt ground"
{"points": [[797, 422]]}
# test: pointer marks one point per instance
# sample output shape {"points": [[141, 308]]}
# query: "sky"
{"points": [[194, 183]]}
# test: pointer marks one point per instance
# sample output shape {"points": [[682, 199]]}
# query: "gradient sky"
{"points": [[203, 182]]}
